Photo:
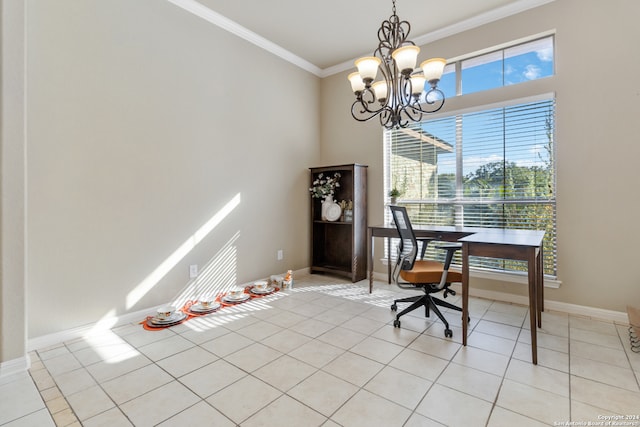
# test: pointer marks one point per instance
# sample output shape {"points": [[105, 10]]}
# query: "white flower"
{"points": [[323, 187]]}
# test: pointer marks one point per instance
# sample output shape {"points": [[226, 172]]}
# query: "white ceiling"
{"points": [[325, 36]]}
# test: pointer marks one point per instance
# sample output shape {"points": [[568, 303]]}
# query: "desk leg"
{"points": [[533, 301], [388, 260], [540, 286], [370, 259], [465, 292]]}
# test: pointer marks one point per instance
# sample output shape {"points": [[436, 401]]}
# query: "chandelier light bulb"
{"points": [[368, 68], [357, 85], [432, 69], [417, 84], [406, 58], [380, 90]]}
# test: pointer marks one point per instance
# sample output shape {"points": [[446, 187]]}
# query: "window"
{"points": [[515, 64], [488, 168]]}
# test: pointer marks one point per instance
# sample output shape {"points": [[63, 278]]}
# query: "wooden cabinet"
{"points": [[340, 246]]}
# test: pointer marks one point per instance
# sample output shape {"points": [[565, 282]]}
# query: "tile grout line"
{"points": [[504, 375], [627, 355], [64, 415]]}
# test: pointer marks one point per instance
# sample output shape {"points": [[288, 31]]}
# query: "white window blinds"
{"points": [[492, 168]]}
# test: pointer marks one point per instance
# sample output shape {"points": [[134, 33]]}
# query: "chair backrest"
{"points": [[408, 247]]}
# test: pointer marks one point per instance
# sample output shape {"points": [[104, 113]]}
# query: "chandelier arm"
{"points": [[361, 112], [437, 103], [367, 97], [388, 118], [392, 34], [360, 109], [405, 89], [358, 113], [413, 112]]}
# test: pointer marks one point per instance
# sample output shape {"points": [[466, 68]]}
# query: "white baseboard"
{"points": [[579, 310], [56, 338], [302, 271], [12, 367], [380, 277], [618, 317]]}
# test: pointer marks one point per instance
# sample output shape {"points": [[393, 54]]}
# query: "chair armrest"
{"points": [[451, 249], [425, 241]]}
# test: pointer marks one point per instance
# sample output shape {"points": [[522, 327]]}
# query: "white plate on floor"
{"points": [[178, 316], [267, 290], [199, 308], [241, 298]]}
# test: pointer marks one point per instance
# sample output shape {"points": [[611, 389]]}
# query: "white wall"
{"points": [[598, 105], [12, 185], [141, 130]]}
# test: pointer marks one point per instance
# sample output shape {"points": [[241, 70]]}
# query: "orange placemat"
{"points": [[190, 314]]}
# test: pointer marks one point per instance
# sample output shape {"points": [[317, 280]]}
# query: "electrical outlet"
{"points": [[280, 255], [193, 271]]}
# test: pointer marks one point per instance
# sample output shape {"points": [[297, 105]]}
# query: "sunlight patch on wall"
{"points": [[217, 277], [172, 260]]}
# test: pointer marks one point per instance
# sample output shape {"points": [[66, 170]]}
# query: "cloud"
{"points": [[545, 55], [532, 72], [508, 69]]}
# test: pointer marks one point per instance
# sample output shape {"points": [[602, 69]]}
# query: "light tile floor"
{"points": [[326, 354]]}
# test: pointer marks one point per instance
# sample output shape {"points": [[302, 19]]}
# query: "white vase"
{"points": [[328, 201]]}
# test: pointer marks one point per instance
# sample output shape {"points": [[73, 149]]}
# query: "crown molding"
{"points": [[233, 27], [479, 20]]}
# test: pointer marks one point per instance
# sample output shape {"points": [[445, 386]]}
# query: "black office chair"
{"points": [[431, 276]]}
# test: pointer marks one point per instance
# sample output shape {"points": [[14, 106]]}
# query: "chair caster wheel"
{"points": [[394, 307], [396, 323], [448, 333]]}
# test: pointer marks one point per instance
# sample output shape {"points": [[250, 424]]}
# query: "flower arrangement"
{"points": [[324, 186]]}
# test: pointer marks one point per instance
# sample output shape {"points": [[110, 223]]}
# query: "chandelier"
{"points": [[400, 96]]}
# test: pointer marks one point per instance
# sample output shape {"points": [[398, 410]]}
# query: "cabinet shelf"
{"points": [[340, 247], [319, 221]]}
